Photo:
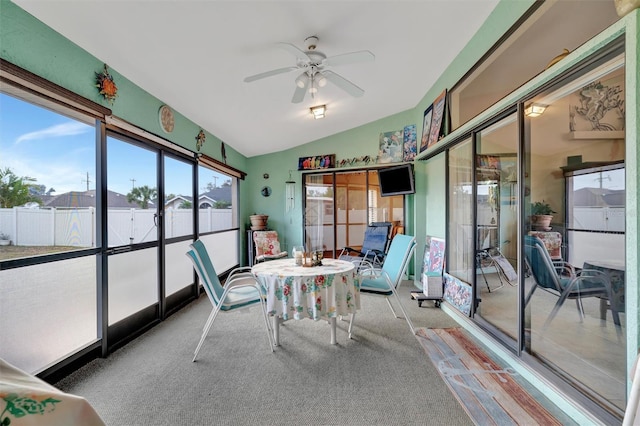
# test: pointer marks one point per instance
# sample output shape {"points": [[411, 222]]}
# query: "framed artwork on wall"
{"points": [[437, 118], [426, 126], [410, 147], [391, 147], [315, 162]]}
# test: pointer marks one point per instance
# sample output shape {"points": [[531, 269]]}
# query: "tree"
{"points": [[14, 190], [141, 195], [221, 204], [186, 205]]}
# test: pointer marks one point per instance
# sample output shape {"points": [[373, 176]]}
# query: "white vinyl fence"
{"points": [[599, 218], [77, 227]]}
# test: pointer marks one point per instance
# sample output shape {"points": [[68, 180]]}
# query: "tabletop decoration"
{"points": [[315, 259], [104, 82]]}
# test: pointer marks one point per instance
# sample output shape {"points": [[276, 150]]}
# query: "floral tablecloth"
{"points": [[27, 400], [314, 292]]}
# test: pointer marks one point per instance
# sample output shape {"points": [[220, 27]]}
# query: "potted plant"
{"points": [[541, 215], [5, 239], [258, 221]]}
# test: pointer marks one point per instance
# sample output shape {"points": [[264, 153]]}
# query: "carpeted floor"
{"points": [[380, 377]]}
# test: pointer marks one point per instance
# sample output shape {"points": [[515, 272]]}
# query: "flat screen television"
{"points": [[396, 180]]}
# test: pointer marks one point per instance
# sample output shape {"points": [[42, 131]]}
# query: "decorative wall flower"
{"points": [[106, 85]]}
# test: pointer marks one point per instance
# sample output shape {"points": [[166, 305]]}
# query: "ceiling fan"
{"points": [[314, 66]]}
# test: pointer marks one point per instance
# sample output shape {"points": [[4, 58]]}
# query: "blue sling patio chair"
{"points": [[374, 245], [384, 281], [241, 291], [563, 280]]}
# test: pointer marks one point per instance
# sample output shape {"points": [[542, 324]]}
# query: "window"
{"points": [[47, 177], [574, 156], [526, 52], [348, 211], [47, 206], [217, 200]]}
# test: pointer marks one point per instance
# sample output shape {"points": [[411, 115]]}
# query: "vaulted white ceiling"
{"points": [[194, 55]]}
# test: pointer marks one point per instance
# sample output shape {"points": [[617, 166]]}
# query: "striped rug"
{"points": [[488, 392]]}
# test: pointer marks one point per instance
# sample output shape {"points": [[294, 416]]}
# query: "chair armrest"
{"points": [[367, 269], [238, 277], [346, 250], [563, 268], [591, 273]]}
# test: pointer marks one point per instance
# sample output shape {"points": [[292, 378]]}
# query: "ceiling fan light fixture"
{"points": [[301, 81], [318, 111], [322, 81]]}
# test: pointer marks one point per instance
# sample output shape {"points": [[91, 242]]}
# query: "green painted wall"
{"points": [[31, 45]]}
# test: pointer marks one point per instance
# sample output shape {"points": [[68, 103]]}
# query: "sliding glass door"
{"points": [[496, 255], [339, 206], [132, 231]]}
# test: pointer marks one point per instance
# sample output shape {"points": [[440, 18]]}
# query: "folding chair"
{"points": [[374, 245]]}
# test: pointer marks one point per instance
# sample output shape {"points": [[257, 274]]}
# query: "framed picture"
{"points": [[426, 126], [434, 256], [436, 118], [457, 293], [391, 147], [433, 267], [317, 162], [410, 147]]}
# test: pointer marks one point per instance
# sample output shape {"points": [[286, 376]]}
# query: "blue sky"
{"points": [[59, 151]]}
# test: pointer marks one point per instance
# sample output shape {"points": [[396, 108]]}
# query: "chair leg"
{"points": [[559, 303], [580, 308], [391, 307], [208, 326], [263, 308], [406, 317], [353, 316], [614, 309]]}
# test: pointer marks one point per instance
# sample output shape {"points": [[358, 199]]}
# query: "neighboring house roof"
{"points": [[117, 200], [178, 200], [218, 194], [87, 199], [598, 197], [209, 197]]}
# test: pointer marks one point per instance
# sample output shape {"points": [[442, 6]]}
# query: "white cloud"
{"points": [[59, 130]]}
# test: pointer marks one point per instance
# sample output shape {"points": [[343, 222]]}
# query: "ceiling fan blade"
{"points": [[268, 74], [299, 54], [349, 58], [343, 83], [298, 95]]}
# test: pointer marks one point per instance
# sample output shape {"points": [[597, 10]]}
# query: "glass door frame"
{"points": [[119, 333]]}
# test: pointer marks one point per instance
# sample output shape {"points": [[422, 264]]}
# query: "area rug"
{"points": [[489, 393]]}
